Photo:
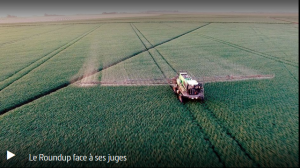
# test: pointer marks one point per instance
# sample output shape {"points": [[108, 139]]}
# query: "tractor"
{"points": [[187, 88]]}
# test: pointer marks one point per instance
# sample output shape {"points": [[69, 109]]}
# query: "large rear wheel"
{"points": [[180, 98], [175, 89], [202, 99]]}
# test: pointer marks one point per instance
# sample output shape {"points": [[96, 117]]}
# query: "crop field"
{"points": [[251, 123]]}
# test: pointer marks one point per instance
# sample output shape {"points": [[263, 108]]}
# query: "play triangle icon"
{"points": [[10, 155]]}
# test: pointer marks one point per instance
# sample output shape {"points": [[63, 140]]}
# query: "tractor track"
{"points": [[33, 62], [29, 37], [216, 120], [205, 106], [67, 83], [292, 75], [148, 50], [194, 120], [43, 60], [250, 50], [157, 49], [289, 70]]}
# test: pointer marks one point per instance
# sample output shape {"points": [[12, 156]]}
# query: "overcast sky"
{"points": [[31, 8]]}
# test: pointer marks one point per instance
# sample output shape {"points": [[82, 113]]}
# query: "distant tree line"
{"points": [[11, 16], [52, 15]]}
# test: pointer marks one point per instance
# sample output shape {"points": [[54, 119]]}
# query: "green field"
{"points": [[253, 123]]}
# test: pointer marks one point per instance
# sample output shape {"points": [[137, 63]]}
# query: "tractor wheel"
{"points": [[174, 89], [180, 98]]}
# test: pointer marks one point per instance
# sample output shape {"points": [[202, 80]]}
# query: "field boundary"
{"points": [[29, 37], [10, 80], [250, 50]]}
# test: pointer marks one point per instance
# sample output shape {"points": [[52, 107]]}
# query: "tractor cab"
{"points": [[187, 88], [191, 86]]}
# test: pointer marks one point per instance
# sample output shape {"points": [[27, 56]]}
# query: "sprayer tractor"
{"points": [[187, 88]]}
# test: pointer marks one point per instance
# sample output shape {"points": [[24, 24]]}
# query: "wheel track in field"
{"points": [[33, 62], [292, 75], [147, 49], [194, 120], [158, 51], [222, 126], [250, 50], [26, 70], [67, 83], [211, 116], [227, 132], [29, 37]]}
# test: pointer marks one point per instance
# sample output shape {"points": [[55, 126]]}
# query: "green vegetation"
{"points": [[102, 123], [24, 52], [241, 124]]}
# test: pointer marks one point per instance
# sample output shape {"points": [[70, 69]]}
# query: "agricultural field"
{"points": [[53, 97]]}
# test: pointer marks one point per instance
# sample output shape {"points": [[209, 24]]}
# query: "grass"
{"points": [[240, 124]]}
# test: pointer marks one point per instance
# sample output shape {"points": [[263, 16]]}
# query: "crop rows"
{"points": [[18, 56], [53, 84], [158, 33], [218, 119], [39, 62], [147, 45], [262, 122], [11, 38], [17, 31], [135, 70], [241, 124], [164, 66], [200, 59], [253, 51], [219, 139], [116, 123], [194, 18], [67, 68], [139, 67], [278, 41]]}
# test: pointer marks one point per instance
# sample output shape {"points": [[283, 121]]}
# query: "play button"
{"points": [[9, 155]]}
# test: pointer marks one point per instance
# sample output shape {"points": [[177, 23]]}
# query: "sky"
{"points": [[60, 7]]}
